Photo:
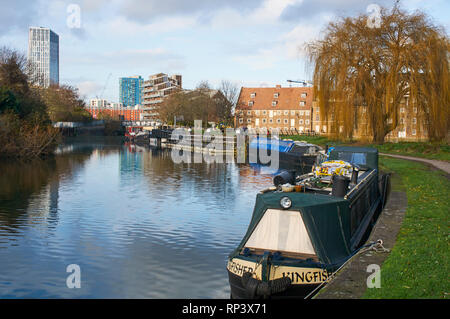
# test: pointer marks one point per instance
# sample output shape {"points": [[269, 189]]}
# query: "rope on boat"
{"points": [[377, 246]]}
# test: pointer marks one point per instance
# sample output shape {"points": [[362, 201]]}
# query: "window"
{"points": [[414, 120], [306, 122], [307, 113], [278, 120], [414, 132], [302, 103], [241, 121], [415, 109], [303, 95], [286, 112], [285, 121], [270, 120], [264, 121], [274, 103], [249, 112], [278, 112], [252, 95], [250, 103], [402, 121], [264, 112], [300, 121], [249, 120], [257, 112], [317, 117], [292, 112], [402, 110], [275, 95], [302, 113]]}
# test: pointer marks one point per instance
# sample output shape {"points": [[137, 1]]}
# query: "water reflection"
{"points": [[139, 225]]}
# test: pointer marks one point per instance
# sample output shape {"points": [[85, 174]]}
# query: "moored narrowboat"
{"points": [[293, 155], [297, 239]]}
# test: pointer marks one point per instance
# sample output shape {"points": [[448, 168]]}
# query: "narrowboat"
{"points": [[293, 155], [300, 234]]}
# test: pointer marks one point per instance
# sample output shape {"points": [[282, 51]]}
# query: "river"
{"points": [[135, 223]]}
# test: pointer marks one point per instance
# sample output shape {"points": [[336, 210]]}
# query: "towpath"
{"points": [[442, 165], [351, 281]]}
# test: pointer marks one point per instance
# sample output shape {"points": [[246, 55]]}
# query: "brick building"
{"points": [[283, 108], [295, 110], [117, 111]]}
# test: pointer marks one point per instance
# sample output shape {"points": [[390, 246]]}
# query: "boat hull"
{"points": [[238, 291], [284, 280]]}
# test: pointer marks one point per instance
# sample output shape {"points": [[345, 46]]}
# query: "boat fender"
{"points": [[257, 288]]}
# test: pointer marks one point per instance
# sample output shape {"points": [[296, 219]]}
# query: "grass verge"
{"points": [[418, 265], [438, 151]]}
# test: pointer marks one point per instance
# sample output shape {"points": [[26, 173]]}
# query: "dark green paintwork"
{"points": [[326, 218]]}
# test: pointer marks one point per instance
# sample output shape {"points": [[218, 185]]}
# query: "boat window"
{"points": [[283, 231], [353, 158]]}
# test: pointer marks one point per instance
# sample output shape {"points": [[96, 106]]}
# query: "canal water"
{"points": [[137, 224]]}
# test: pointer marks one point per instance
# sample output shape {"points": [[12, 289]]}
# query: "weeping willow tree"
{"points": [[363, 74]]}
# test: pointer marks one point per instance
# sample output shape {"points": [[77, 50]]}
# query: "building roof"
{"points": [[288, 98]]}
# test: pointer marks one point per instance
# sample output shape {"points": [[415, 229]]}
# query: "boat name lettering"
{"points": [[238, 269], [307, 276]]}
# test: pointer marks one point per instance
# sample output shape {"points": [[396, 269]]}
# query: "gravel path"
{"points": [[444, 166]]}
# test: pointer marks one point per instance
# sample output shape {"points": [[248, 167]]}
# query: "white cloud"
{"points": [[121, 26], [89, 88], [268, 13]]}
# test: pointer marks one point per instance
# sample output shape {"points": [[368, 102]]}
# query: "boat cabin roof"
{"points": [[364, 157], [283, 146]]}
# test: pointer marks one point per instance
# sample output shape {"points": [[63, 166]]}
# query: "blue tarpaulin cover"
{"points": [[271, 144]]}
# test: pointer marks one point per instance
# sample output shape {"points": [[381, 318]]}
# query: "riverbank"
{"points": [[418, 263], [419, 258], [435, 151]]}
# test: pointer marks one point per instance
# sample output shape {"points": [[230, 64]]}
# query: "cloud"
{"points": [[144, 58], [89, 88], [268, 13], [310, 9], [122, 26], [145, 11], [18, 14]]}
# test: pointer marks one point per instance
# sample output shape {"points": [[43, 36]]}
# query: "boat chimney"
{"points": [[354, 179], [340, 185]]}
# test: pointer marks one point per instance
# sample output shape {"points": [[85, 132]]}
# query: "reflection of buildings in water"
{"points": [[130, 160], [45, 204], [256, 174]]}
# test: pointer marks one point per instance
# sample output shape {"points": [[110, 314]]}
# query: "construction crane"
{"points": [[104, 87], [304, 82]]}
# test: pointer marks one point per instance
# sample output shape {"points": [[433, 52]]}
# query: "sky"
{"points": [[253, 43]]}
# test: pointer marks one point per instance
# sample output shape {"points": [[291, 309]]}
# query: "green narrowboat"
{"points": [[297, 239]]}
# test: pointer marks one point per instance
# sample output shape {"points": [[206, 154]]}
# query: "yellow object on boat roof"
{"points": [[335, 167]]}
